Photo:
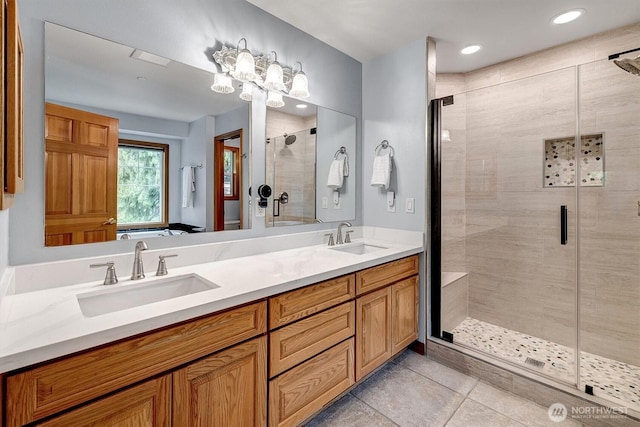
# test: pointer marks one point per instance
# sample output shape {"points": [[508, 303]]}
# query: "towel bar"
{"points": [[383, 146]]}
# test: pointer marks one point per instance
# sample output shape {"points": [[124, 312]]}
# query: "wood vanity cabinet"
{"points": [[311, 349], [228, 368], [386, 312], [53, 387]]}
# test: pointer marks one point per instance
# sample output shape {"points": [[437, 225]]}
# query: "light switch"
{"points": [[410, 205], [325, 202]]}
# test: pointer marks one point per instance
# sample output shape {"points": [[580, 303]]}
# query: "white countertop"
{"points": [[45, 324]]}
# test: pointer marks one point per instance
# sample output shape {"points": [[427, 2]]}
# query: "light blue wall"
{"points": [[186, 31], [201, 134], [394, 108]]}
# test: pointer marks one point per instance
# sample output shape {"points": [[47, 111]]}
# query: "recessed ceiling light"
{"points": [[470, 49], [301, 105], [569, 16]]}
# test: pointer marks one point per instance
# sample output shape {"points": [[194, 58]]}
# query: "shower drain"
{"points": [[534, 362]]}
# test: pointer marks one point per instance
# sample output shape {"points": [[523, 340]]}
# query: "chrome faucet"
{"points": [[138, 268], [339, 235]]}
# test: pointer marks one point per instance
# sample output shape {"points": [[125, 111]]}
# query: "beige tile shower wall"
{"points": [[453, 173], [520, 276]]}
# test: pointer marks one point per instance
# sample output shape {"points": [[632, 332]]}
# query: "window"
{"points": [[231, 168], [142, 184]]}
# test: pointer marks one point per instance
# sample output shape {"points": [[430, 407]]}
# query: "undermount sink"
{"points": [[120, 298], [360, 248]]}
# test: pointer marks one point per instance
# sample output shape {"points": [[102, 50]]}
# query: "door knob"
{"points": [[110, 221]]}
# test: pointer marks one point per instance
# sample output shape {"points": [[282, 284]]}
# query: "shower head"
{"points": [[629, 65], [289, 139]]}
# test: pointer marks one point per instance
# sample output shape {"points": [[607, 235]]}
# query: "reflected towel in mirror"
{"points": [[188, 186], [381, 171], [337, 172]]}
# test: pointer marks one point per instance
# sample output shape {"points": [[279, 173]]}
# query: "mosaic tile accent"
{"points": [[610, 379], [560, 161]]}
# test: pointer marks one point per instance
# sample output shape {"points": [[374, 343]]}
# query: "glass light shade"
{"points": [[300, 86], [247, 92], [274, 100], [245, 69], [222, 83], [274, 79]]}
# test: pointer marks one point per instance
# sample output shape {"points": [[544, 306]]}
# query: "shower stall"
{"points": [[536, 211], [291, 171]]}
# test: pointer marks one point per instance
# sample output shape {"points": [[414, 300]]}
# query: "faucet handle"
{"points": [[347, 238], [110, 278], [162, 264], [330, 242]]}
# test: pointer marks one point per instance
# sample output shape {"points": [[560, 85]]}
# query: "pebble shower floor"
{"points": [[613, 380]]}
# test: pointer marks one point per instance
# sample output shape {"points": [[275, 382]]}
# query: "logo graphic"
{"points": [[557, 412]]}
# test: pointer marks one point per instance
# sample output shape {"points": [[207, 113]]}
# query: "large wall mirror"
{"points": [[182, 155], [131, 145]]}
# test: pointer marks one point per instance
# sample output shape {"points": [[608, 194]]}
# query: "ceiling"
{"points": [[365, 29]]}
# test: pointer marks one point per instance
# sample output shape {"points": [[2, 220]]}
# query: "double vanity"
{"points": [[232, 335]]}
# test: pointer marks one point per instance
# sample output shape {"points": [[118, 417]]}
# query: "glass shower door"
{"points": [[508, 228], [609, 238]]}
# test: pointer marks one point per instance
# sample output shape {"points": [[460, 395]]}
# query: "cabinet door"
{"points": [[404, 313], [145, 405], [228, 388], [373, 331]]}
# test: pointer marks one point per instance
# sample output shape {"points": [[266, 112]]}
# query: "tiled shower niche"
{"points": [[560, 161]]}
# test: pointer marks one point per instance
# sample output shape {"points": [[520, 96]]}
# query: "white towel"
{"points": [[336, 174], [381, 171], [188, 186]]}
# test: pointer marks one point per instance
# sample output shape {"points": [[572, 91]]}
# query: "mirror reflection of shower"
{"points": [[291, 170]]}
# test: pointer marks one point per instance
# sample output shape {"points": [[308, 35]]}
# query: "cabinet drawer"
{"points": [[294, 305], [385, 274], [147, 404], [301, 340], [302, 391], [55, 386]]}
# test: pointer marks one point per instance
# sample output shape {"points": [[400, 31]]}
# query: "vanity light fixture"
{"points": [[245, 69], [300, 84], [222, 83], [247, 92], [568, 16], [274, 79], [470, 49], [274, 99], [260, 71]]}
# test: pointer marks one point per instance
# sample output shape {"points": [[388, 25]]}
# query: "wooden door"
{"points": [[404, 313], [228, 388], [81, 176], [144, 405], [373, 331], [218, 179]]}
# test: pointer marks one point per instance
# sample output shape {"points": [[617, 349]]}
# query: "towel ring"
{"points": [[341, 150], [383, 146]]}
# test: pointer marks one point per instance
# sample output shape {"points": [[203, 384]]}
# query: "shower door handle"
{"points": [[564, 230]]}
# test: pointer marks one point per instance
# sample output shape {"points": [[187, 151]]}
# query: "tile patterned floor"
{"points": [[617, 381], [413, 390]]}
